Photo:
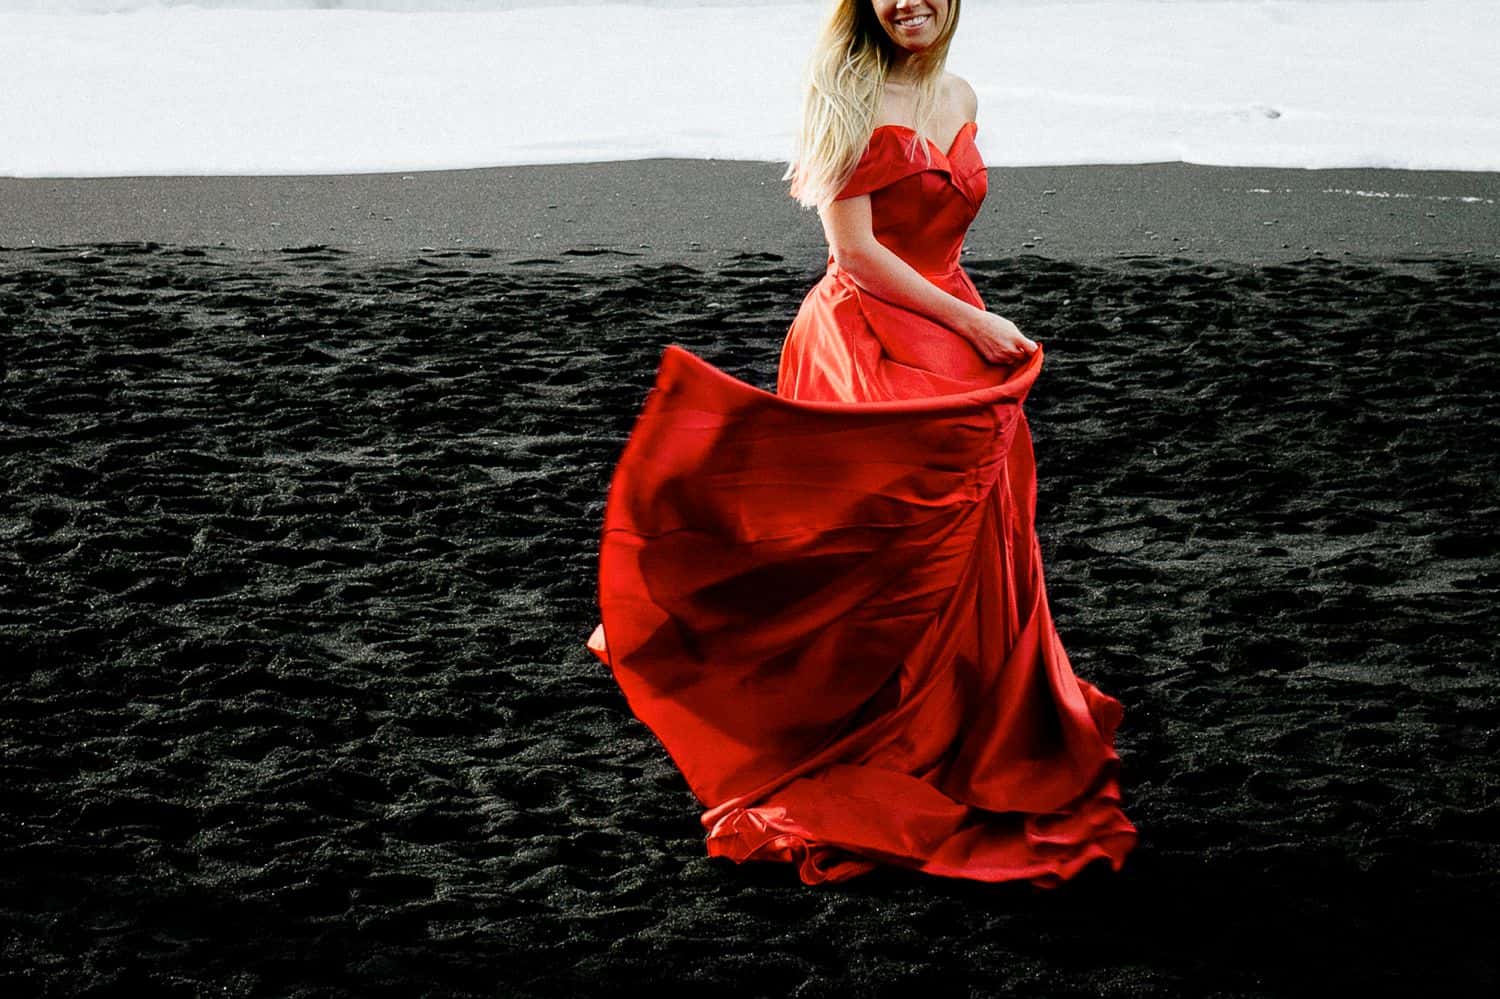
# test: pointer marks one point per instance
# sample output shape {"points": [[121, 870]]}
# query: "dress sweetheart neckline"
{"points": [[951, 146]]}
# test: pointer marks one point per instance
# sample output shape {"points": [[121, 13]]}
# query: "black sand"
{"points": [[298, 561]]}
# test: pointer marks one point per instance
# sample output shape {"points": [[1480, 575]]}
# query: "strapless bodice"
{"points": [[921, 211]]}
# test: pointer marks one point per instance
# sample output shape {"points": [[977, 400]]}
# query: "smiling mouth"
{"points": [[913, 23]]}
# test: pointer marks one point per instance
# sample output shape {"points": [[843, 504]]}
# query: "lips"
{"points": [[916, 23]]}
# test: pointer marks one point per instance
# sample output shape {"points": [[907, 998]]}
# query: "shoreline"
{"points": [[698, 212]]}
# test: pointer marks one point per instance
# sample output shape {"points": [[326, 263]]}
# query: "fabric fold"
{"points": [[811, 604]]}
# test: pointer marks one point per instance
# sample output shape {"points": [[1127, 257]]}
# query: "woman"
{"points": [[828, 602]]}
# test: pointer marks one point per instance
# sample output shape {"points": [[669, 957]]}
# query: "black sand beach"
{"points": [[298, 538]]}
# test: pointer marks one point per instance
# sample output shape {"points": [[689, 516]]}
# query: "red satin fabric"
{"points": [[828, 602]]}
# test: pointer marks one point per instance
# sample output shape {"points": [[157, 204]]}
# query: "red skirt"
{"points": [[833, 616]]}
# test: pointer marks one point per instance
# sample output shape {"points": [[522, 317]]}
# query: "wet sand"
{"points": [[298, 550], [699, 211]]}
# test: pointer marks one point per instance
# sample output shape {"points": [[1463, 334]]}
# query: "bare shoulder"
{"points": [[957, 103], [960, 96]]}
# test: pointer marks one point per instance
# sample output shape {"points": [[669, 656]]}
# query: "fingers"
{"points": [[996, 352]]}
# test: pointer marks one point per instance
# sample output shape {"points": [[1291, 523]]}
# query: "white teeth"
{"points": [[915, 22]]}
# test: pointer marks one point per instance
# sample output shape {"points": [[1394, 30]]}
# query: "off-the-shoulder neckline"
{"points": [[951, 146]]}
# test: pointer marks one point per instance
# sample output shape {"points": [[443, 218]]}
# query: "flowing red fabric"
{"points": [[828, 602]]}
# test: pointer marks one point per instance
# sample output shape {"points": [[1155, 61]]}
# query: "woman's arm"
{"points": [[852, 242]]}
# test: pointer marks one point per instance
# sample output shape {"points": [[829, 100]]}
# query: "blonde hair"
{"points": [[843, 81]]}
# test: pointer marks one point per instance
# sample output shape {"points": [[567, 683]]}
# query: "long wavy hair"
{"points": [[843, 81]]}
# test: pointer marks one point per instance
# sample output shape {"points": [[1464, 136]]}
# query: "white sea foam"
{"points": [[186, 90], [1463, 199]]}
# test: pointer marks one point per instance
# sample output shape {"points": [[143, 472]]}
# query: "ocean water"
{"points": [[412, 6], [440, 6], [165, 87]]}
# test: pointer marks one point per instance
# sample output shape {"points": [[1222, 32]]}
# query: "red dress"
{"points": [[828, 603]]}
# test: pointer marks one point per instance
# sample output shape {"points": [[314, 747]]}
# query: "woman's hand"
{"points": [[997, 339]]}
